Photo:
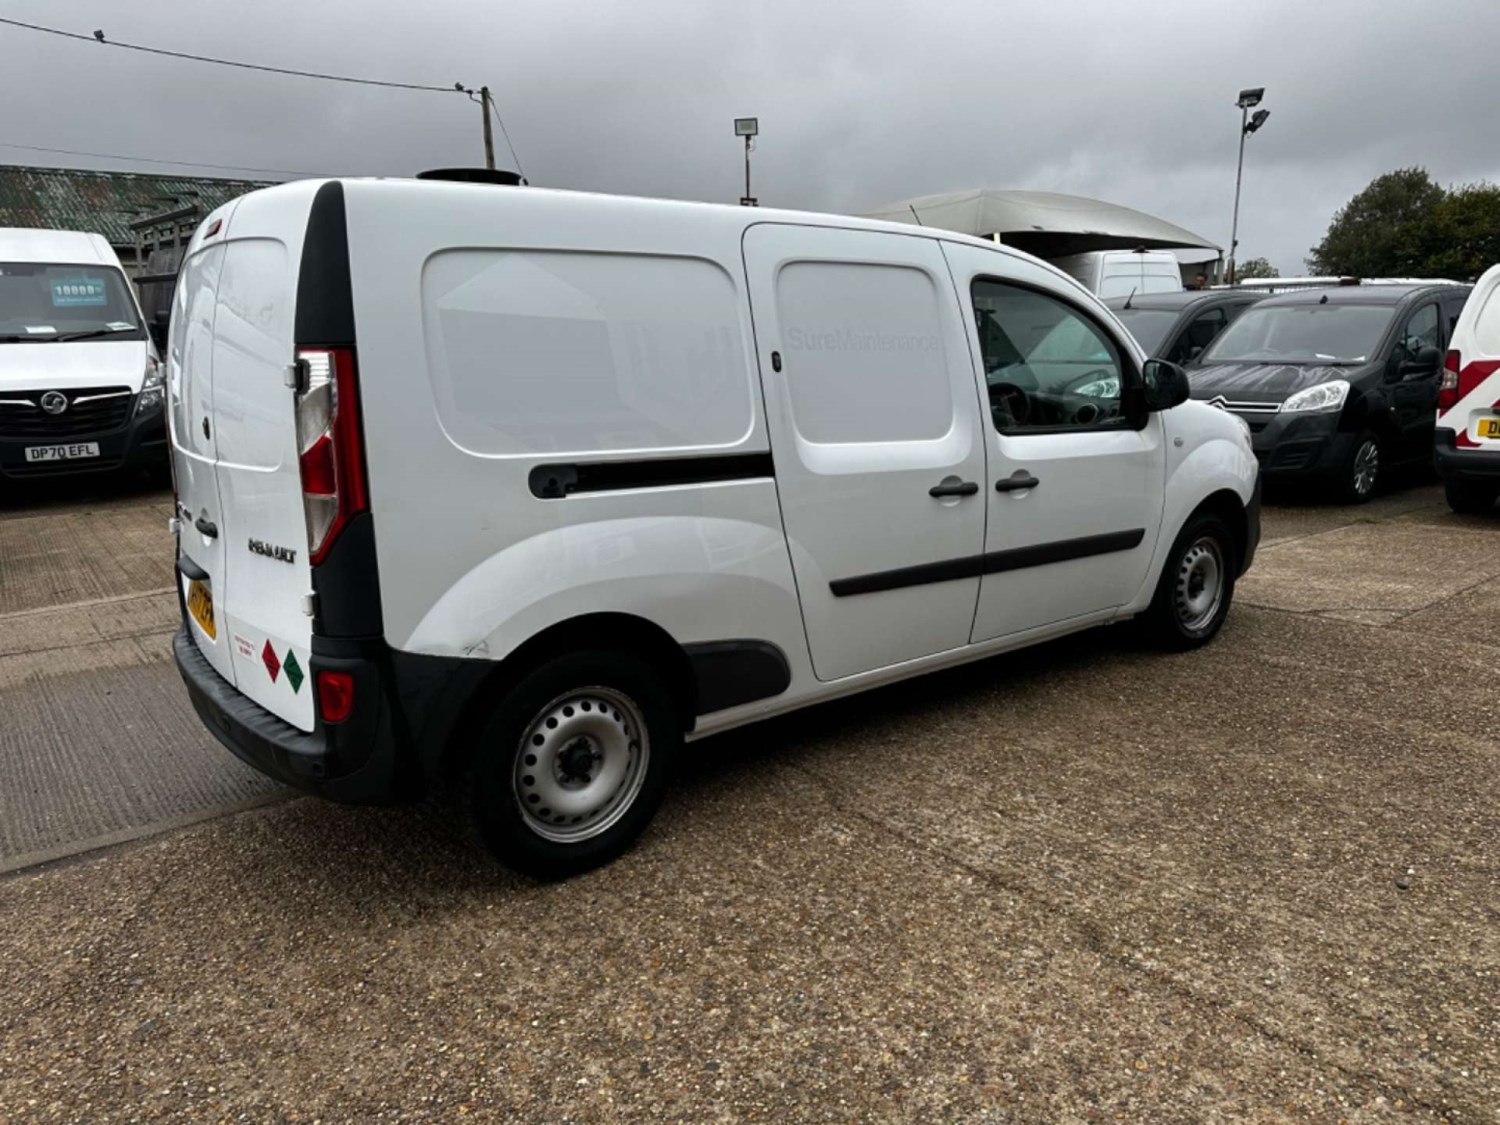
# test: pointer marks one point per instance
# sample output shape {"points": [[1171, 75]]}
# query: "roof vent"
{"points": [[475, 176]]}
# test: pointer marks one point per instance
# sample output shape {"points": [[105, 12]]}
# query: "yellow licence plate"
{"points": [[1489, 427], [200, 603]]}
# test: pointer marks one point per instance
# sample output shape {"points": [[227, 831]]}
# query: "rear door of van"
{"points": [[262, 573], [200, 563]]}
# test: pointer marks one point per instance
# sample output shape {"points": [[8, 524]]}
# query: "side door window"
{"points": [[1047, 366], [1421, 331], [1198, 335]]}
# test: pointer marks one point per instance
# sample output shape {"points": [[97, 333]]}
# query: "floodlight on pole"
{"points": [[1248, 100], [747, 127]]}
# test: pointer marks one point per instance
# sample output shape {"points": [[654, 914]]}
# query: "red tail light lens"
{"points": [[335, 696], [329, 445], [1448, 395]]}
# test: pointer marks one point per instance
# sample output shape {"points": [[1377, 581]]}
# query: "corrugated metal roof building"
{"points": [[114, 204]]}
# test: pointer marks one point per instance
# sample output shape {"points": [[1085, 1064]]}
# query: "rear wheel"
{"points": [[1471, 498], [572, 764], [1359, 474], [1196, 586]]}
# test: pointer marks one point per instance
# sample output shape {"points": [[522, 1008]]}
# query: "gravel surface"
{"points": [[1082, 882]]}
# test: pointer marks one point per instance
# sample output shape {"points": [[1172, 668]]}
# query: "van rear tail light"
{"points": [[329, 445], [1448, 395], [335, 696]]}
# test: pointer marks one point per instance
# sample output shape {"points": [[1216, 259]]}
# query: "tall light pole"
{"points": [[747, 127], [1249, 99]]}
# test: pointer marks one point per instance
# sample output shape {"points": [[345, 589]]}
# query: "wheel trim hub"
{"points": [[1200, 584], [580, 764], [1366, 468]]}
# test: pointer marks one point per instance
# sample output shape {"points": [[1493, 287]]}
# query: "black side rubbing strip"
{"points": [[995, 562], [729, 673], [556, 481]]}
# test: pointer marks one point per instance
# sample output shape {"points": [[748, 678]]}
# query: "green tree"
{"points": [[1256, 267], [1384, 231], [1462, 236]]}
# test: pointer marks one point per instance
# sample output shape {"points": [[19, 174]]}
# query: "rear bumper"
{"points": [[1457, 464], [141, 442], [353, 762]]}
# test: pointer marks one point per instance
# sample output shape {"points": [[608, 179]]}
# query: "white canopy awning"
{"points": [[1043, 222]]}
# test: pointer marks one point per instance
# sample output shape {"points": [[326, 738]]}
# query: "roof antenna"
{"points": [[1131, 297], [914, 215]]}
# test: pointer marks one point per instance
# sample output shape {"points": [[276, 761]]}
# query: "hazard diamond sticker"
{"points": [[272, 662], [293, 671]]}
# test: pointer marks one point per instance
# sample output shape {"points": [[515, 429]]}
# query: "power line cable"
{"points": [[98, 37], [516, 156], [151, 160]]}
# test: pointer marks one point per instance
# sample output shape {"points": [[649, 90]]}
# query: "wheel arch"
{"points": [[609, 631], [1227, 506]]}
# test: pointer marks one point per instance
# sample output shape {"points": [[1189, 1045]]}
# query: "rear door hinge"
{"points": [[310, 605]]}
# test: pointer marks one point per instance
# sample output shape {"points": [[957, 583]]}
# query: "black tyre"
{"points": [[1196, 586], [572, 765], [1471, 498], [1356, 479]]}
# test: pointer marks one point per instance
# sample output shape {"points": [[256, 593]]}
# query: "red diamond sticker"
{"points": [[272, 662]]}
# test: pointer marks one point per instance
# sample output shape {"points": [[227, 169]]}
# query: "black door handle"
{"points": [[1015, 484], [953, 488], [206, 527]]}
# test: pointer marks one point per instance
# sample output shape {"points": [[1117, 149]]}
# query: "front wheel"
{"points": [[1359, 474], [572, 765], [1196, 586], [1471, 498]]}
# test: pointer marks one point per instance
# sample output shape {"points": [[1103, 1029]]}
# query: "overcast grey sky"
{"points": [[1125, 100]]}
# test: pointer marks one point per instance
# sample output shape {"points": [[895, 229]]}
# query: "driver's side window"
{"points": [[1047, 365]]}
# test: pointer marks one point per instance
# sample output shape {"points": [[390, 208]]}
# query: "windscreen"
{"points": [[48, 301], [1302, 334], [1148, 326]]}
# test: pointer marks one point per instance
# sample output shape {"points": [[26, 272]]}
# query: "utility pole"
{"points": [[489, 128]]}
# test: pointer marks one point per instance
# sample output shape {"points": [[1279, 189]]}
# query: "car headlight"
{"points": [[152, 390], [1325, 396]]}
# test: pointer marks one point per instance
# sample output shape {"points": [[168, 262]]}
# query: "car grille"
{"points": [[91, 410]]}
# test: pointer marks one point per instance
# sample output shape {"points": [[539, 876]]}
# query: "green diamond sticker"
{"points": [[293, 671]]}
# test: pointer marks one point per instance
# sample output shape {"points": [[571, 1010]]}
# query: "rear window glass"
{"points": [[553, 352], [45, 301]]}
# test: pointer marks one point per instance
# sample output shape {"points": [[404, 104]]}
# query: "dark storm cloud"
{"points": [[859, 104]]}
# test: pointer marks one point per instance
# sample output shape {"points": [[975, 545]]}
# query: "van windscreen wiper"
{"points": [[64, 337]]}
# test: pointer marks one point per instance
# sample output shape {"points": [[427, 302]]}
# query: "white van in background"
{"points": [[1118, 273], [506, 492], [80, 386], [1468, 423]]}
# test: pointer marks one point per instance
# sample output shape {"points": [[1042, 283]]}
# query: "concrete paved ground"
{"points": [[1078, 883]]}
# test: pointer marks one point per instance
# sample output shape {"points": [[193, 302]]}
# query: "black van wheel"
{"points": [[1360, 473], [572, 764], [1196, 586], [1471, 498]]}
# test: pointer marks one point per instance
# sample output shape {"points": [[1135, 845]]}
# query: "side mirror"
{"points": [[1423, 365], [1166, 384]]}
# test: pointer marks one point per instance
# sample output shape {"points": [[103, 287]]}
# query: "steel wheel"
{"points": [[1365, 468], [580, 764], [1199, 588]]}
